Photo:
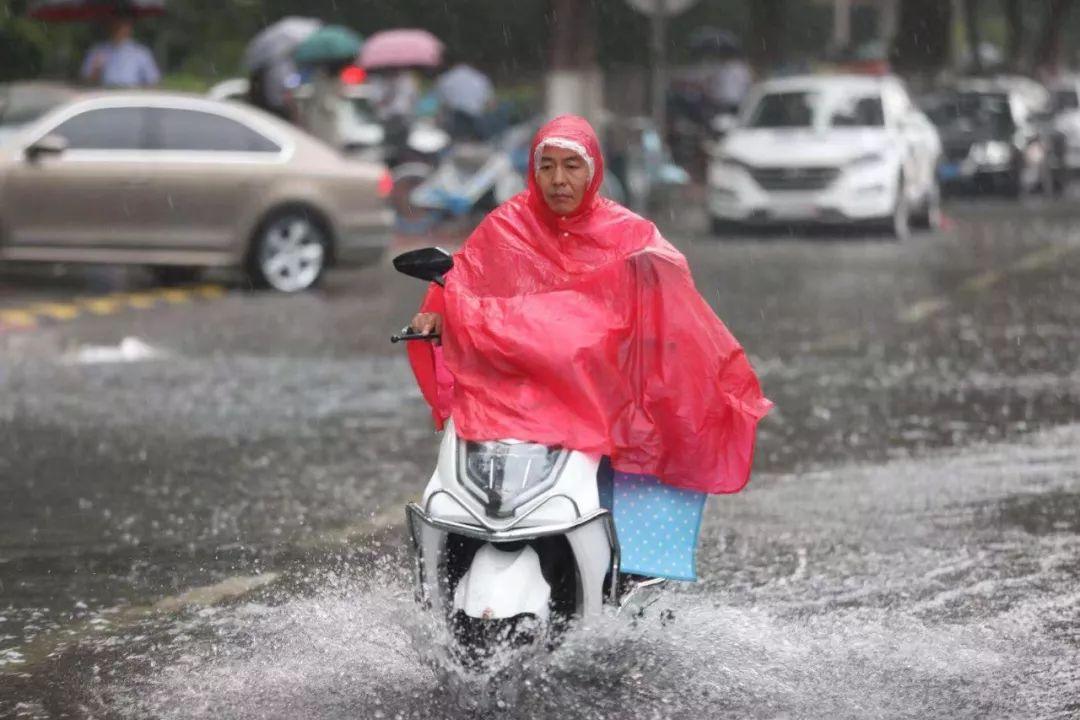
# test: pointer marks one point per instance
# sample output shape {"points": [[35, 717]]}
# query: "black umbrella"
{"points": [[76, 10], [714, 41]]}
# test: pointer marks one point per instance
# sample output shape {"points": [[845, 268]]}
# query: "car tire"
{"points": [[1047, 179], [1023, 180], [173, 275], [721, 228], [1060, 181], [290, 251], [1012, 184], [929, 215]]}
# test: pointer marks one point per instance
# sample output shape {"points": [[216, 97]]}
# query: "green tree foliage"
{"points": [[206, 38], [23, 44], [923, 36], [203, 40]]}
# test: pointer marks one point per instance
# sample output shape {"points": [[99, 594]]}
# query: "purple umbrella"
{"points": [[69, 10], [401, 48]]}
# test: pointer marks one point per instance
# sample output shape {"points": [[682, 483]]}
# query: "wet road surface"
{"points": [[204, 520]]}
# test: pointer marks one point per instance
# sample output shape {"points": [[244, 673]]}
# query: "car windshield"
{"points": [[857, 111], [970, 109], [784, 109], [804, 109], [1066, 100]]}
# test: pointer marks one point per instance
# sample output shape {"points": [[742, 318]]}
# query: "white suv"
{"points": [[827, 149]]}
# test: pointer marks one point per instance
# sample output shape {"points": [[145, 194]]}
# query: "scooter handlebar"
{"points": [[409, 334]]}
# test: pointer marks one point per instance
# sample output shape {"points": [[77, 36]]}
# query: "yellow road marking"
{"points": [[1042, 258], [922, 309], [17, 318], [837, 340], [59, 311], [141, 300], [211, 595], [101, 305], [209, 291], [1034, 260], [175, 296], [982, 281], [28, 316]]}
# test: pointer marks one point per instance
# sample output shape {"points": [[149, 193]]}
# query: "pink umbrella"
{"points": [[401, 48]]}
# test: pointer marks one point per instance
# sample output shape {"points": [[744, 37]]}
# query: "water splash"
{"points": [[351, 651]]}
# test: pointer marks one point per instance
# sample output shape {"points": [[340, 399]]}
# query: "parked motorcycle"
{"points": [[474, 177], [511, 542], [412, 154]]}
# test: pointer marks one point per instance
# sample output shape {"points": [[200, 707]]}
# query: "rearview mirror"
{"points": [[48, 145], [430, 264]]}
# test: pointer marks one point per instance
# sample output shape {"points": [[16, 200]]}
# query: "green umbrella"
{"points": [[332, 43]]}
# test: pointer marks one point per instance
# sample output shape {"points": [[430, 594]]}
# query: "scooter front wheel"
{"points": [[485, 645]]}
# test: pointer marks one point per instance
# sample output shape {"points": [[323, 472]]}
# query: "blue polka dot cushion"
{"points": [[657, 526]]}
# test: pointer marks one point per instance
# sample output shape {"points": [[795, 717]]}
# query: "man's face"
{"points": [[563, 177], [121, 29]]}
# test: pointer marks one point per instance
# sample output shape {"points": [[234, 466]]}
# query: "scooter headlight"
{"points": [[504, 476]]}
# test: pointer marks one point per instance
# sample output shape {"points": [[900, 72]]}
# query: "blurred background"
{"points": [[206, 439]]}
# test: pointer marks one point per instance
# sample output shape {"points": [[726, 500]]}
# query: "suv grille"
{"points": [[795, 178]]}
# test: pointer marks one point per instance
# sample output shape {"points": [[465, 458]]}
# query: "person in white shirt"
{"points": [[121, 62]]}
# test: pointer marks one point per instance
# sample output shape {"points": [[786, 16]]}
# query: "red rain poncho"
{"points": [[586, 331]]}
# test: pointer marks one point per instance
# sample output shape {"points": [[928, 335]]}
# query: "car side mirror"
{"points": [[430, 264], [48, 145]]}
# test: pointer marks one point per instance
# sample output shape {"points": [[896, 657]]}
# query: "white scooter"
{"points": [[510, 538]]}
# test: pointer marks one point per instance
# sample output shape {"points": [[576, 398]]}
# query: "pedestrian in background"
{"points": [[397, 92], [323, 113], [121, 61], [727, 80], [466, 96], [272, 88]]}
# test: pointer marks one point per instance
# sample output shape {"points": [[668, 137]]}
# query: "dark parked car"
{"points": [[993, 139]]}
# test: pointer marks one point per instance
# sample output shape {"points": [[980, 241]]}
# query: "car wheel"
{"points": [[1017, 183], [929, 215], [1047, 183], [290, 251], [1026, 178], [1060, 181], [170, 275], [720, 228]]}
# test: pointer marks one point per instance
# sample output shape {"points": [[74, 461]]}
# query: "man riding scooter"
{"points": [[568, 322]]}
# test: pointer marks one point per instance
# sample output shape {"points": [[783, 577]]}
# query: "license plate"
{"points": [[795, 211], [949, 171]]}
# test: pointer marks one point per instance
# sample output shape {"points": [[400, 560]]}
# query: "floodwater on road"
{"points": [[831, 595], [206, 521]]}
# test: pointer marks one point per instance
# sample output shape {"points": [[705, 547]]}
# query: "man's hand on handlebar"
{"points": [[427, 323]]}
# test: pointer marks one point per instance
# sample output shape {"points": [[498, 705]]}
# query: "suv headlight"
{"points": [[993, 152], [725, 159], [504, 476]]}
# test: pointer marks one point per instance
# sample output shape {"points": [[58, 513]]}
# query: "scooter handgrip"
{"points": [[413, 336]]}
